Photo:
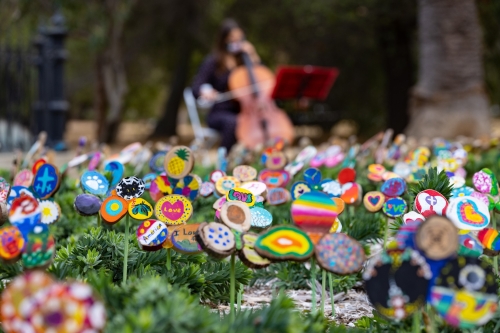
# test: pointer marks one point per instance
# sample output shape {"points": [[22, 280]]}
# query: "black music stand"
{"points": [[296, 82]]}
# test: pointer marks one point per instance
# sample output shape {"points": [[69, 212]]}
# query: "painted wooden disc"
{"points": [[346, 175], [46, 181], [71, 305], [140, 209], [468, 213], [261, 218], [4, 190], [395, 207], [336, 227], [393, 187], [412, 217], [236, 215], [95, 160], [25, 213], [161, 187], [465, 293], [431, 202], [216, 175], [306, 154], [40, 248], [340, 205], [402, 169], [241, 195], [274, 178], [276, 160], [257, 188], [148, 179], [151, 234], [283, 243], [294, 167], [437, 238], [38, 164], [87, 204], [314, 212], [23, 178], [331, 187], [179, 162], [374, 201], [393, 285], [16, 192], [17, 294], [226, 183], [94, 183], [485, 181], [157, 162], [113, 209], [245, 173], [173, 209], [278, 196], [490, 240], [299, 188], [312, 176], [340, 254], [207, 189], [318, 160], [12, 243], [4, 213], [248, 255], [375, 172], [457, 181], [51, 212], [78, 160], [184, 239], [352, 193], [130, 187], [116, 169], [390, 175], [463, 191], [216, 239], [188, 186]]}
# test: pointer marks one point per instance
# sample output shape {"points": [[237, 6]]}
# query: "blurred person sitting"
{"points": [[213, 75]]}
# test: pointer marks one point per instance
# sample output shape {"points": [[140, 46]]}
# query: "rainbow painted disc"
{"points": [[314, 212]]}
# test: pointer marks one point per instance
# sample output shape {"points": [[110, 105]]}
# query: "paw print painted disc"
{"points": [[151, 234], [94, 183], [140, 209], [173, 209], [113, 209], [130, 187], [46, 181]]}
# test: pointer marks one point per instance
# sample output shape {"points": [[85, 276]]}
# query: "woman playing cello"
{"points": [[218, 72]]}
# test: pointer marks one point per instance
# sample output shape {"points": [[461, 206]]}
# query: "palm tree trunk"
{"points": [[449, 98]]}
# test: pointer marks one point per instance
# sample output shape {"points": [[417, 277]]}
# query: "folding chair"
{"points": [[205, 137]]}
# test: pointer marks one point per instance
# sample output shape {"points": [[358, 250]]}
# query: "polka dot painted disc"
{"points": [[340, 254]]}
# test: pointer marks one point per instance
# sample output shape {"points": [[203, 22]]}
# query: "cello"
{"points": [[259, 119]]}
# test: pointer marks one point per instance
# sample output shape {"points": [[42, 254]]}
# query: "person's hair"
{"points": [[220, 47]]}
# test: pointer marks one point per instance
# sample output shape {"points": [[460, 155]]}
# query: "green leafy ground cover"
{"points": [[184, 298]]}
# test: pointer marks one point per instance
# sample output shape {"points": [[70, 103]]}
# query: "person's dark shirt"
{"points": [[218, 79]]}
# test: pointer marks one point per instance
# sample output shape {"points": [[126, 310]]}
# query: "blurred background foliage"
{"points": [[162, 43]]}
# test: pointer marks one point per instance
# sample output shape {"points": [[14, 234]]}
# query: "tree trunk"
{"points": [[449, 98], [396, 28], [189, 21]]}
